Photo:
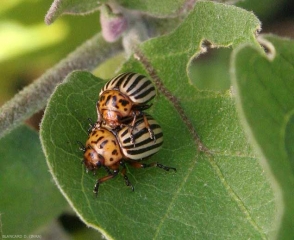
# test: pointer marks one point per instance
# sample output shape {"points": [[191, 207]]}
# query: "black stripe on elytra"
{"points": [[135, 83], [142, 87], [145, 93], [144, 150], [145, 142], [116, 80], [142, 131], [127, 79], [124, 133], [106, 85], [121, 79], [110, 82], [136, 136], [113, 82]]}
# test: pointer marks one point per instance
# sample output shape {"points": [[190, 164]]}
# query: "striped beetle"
{"points": [[111, 149], [122, 100]]}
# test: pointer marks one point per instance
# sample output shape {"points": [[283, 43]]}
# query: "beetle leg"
{"points": [[166, 168], [151, 133], [154, 164], [91, 125], [138, 111], [108, 170], [82, 147], [123, 173], [131, 128], [103, 179]]}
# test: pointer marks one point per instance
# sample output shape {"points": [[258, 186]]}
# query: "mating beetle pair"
{"points": [[123, 133], [123, 99]]}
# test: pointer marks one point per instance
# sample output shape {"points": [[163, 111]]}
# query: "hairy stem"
{"points": [[34, 97]]}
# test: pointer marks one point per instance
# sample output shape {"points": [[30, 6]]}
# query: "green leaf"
{"points": [[60, 7], [201, 74], [156, 8], [29, 198], [218, 195], [163, 8], [264, 90]]}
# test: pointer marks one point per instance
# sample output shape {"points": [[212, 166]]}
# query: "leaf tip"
{"points": [[268, 47]]}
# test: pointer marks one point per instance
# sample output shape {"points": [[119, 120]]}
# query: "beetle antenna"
{"points": [[91, 123], [82, 147]]}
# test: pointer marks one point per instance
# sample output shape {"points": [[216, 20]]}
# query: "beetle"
{"points": [[123, 99], [111, 149]]}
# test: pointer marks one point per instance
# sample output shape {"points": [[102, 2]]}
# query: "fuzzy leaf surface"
{"points": [[265, 100], [222, 195], [151, 7], [155, 8], [60, 7], [163, 8]]}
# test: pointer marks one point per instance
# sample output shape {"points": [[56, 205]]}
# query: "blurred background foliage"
{"points": [[29, 47]]}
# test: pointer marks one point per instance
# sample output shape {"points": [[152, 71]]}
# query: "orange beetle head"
{"points": [[111, 118], [92, 159]]}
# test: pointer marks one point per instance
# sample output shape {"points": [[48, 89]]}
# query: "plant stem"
{"points": [[34, 97]]}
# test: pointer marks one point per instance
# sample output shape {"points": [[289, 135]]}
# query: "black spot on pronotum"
{"points": [[107, 99], [124, 102], [114, 152], [99, 139], [103, 144], [93, 133]]}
